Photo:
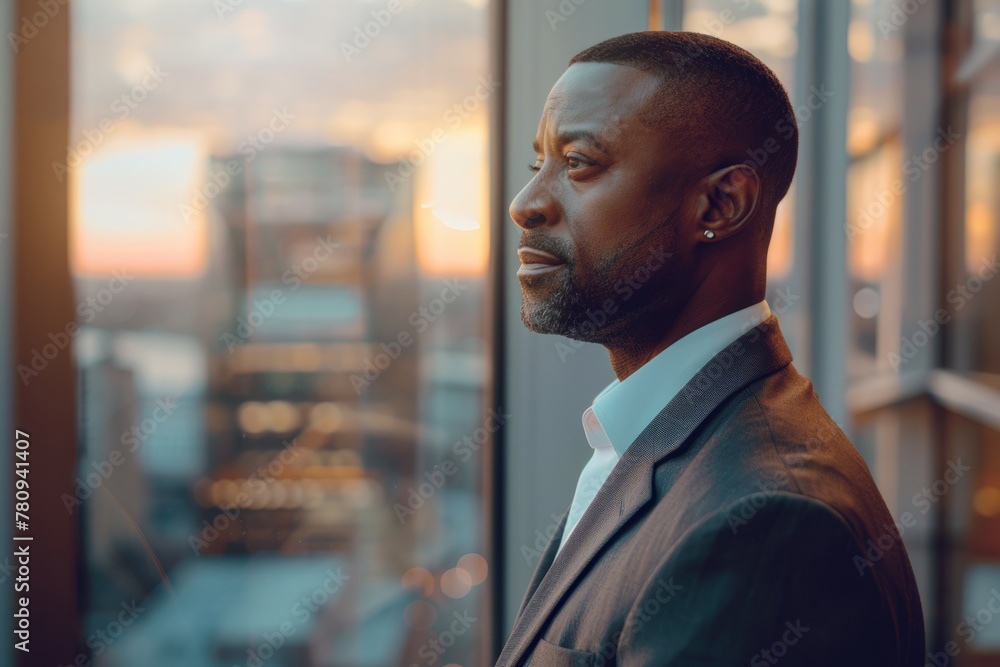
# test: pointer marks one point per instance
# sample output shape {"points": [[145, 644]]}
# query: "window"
{"points": [[280, 232]]}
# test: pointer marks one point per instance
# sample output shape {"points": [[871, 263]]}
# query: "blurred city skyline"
{"points": [[150, 106]]}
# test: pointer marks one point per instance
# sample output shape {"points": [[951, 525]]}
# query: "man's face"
{"points": [[605, 237]]}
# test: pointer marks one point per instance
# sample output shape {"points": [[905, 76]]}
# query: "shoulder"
{"points": [[784, 524], [780, 438]]}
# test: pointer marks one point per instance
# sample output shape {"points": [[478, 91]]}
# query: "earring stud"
{"points": [[709, 234]]}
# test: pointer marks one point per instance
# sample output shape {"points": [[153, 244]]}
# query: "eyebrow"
{"points": [[568, 136]]}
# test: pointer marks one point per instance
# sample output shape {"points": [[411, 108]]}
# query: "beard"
{"points": [[562, 308], [621, 290]]}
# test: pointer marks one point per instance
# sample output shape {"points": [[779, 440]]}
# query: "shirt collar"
{"points": [[623, 409]]}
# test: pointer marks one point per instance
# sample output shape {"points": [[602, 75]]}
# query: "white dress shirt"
{"points": [[623, 410]]}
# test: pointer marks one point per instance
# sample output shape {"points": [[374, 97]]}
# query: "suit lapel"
{"points": [[629, 487], [544, 563]]}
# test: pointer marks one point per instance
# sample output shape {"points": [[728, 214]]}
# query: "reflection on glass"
{"points": [[280, 233]]}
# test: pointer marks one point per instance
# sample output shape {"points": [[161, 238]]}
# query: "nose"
{"points": [[535, 205]]}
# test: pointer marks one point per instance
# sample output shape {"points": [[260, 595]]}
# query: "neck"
{"points": [[658, 331]]}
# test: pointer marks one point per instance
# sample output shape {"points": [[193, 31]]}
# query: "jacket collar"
{"points": [[757, 353], [623, 409]]}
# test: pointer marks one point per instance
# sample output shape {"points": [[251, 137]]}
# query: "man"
{"points": [[724, 518]]}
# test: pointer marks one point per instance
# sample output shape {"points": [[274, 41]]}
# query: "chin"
{"points": [[545, 318], [540, 317]]}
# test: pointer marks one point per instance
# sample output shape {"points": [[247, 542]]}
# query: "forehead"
{"points": [[601, 97]]}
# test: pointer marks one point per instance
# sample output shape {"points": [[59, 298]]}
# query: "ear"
{"points": [[729, 198]]}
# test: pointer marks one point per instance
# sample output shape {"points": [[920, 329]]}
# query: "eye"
{"points": [[534, 166], [576, 161]]}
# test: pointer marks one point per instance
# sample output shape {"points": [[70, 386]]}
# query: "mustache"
{"points": [[561, 248]]}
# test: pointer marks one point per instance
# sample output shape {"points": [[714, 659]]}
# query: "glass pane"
{"points": [[969, 488], [280, 239], [946, 485], [876, 181], [975, 295]]}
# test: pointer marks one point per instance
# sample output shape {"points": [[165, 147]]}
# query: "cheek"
{"points": [[613, 220], [606, 218]]}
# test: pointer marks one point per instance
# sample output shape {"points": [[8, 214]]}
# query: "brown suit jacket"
{"points": [[741, 527]]}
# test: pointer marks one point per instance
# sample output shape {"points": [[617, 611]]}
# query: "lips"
{"points": [[535, 261]]}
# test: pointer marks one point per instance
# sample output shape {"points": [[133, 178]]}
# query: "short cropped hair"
{"points": [[716, 96]]}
